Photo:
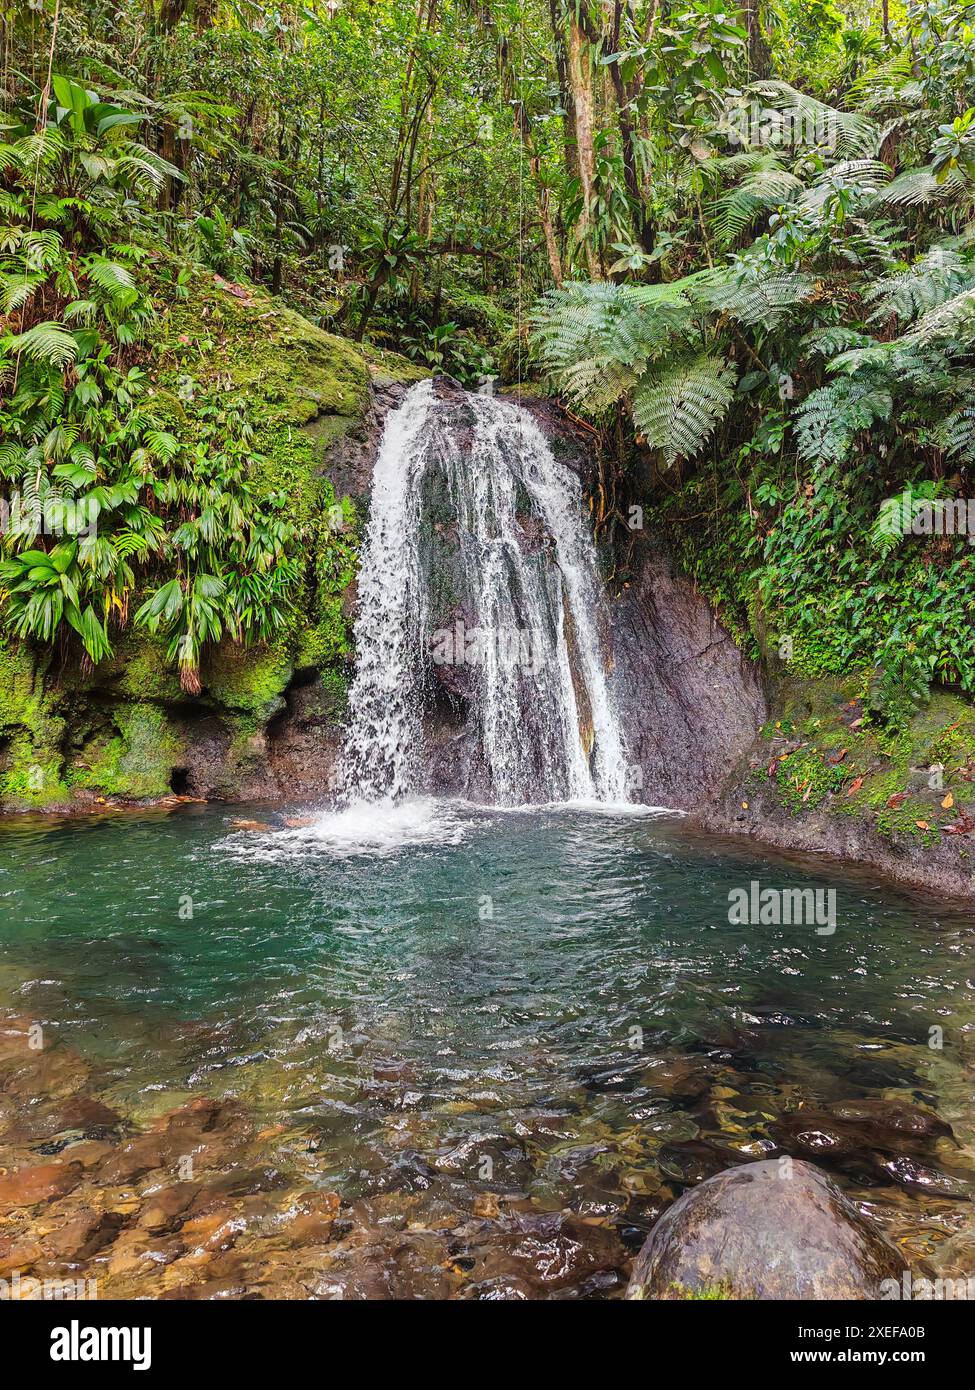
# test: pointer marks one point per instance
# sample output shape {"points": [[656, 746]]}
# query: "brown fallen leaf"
{"points": [[922, 824], [854, 786], [948, 801], [835, 758], [896, 800], [855, 723]]}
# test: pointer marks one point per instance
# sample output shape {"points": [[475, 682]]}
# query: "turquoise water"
{"points": [[478, 973]]}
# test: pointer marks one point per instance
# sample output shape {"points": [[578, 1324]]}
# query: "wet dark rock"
{"points": [[389, 1267], [918, 1177], [690, 705], [506, 1288], [165, 1208], [212, 1290], [314, 1218], [84, 1235], [690, 1161], [494, 1160], [891, 1119], [553, 1250], [79, 1112], [208, 1130], [765, 1230], [623, 1078], [815, 1134], [391, 1070], [872, 1140], [407, 1171], [18, 1253], [679, 1077]]}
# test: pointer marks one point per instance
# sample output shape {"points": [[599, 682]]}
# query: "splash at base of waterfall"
{"points": [[477, 560], [380, 829]]}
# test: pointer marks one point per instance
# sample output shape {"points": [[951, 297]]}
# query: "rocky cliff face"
{"points": [[690, 703]]}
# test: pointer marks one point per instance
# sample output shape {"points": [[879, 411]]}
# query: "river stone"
{"points": [[753, 1232]]}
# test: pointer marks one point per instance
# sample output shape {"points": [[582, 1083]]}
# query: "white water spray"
{"points": [[547, 729]]}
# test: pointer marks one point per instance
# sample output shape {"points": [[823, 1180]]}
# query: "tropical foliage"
{"points": [[738, 240]]}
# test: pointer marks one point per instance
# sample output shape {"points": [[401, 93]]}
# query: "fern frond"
{"points": [[954, 319], [956, 433], [918, 187], [934, 278], [767, 186], [594, 340], [828, 418], [755, 296], [678, 408], [45, 342], [828, 342], [815, 123]]}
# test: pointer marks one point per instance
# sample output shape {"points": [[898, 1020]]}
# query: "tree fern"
{"points": [[920, 187], [678, 407], [828, 418], [755, 295], [935, 277], [595, 340], [816, 123]]}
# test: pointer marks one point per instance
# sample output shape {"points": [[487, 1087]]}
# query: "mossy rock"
{"points": [[135, 759], [911, 783], [117, 731]]}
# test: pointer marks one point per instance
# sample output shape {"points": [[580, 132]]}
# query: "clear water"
{"points": [[473, 973]]}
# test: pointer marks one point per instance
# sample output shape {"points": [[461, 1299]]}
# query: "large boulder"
{"points": [[778, 1229]]}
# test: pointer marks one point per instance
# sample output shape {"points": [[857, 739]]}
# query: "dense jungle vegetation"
{"points": [[738, 242]]}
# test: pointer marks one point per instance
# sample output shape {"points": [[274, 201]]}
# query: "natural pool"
{"points": [[504, 1040]]}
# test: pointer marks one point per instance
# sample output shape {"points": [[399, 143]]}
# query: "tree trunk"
{"points": [[580, 78]]}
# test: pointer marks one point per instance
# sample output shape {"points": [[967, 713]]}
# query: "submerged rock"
{"points": [[28, 1187], [769, 1231]]}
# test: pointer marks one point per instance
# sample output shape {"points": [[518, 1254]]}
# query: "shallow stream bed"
{"points": [[446, 1051]]}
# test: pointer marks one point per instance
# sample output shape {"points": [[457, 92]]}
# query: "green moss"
{"points": [[31, 732], [135, 760], [221, 348], [721, 1292], [234, 338], [303, 390], [899, 779], [805, 779], [248, 680]]}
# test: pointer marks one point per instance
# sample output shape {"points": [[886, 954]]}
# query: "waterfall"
{"points": [[524, 617]]}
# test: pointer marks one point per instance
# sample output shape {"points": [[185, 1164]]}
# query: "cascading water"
{"points": [[525, 615]]}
